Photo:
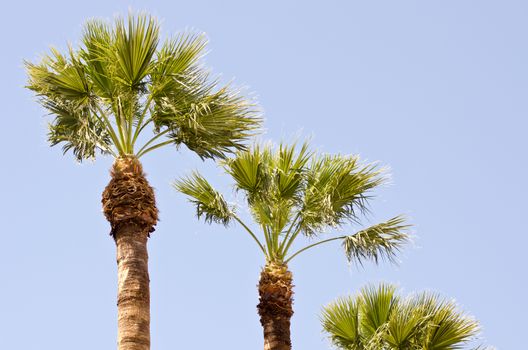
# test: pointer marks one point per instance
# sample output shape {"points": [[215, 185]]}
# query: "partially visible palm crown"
{"points": [[297, 192], [379, 319], [122, 81]]}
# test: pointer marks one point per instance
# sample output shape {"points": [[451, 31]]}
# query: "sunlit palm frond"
{"points": [[78, 129], [449, 329], [290, 167], [341, 320], [177, 68], [250, 170], [217, 124], [209, 202], [98, 56], [337, 189], [134, 47], [380, 241], [405, 325], [272, 181], [376, 304], [386, 321], [60, 77]]}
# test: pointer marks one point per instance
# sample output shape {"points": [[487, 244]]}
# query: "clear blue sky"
{"points": [[437, 90]]}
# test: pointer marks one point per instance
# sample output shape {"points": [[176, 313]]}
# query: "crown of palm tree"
{"points": [[294, 193], [379, 319], [122, 81]]}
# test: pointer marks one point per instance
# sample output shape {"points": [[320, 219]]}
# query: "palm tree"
{"points": [[293, 194], [106, 96], [379, 319]]}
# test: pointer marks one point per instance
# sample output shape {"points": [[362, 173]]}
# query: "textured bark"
{"points": [[275, 306], [129, 206]]}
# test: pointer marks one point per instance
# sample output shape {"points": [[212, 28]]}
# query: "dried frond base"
{"points": [[276, 306], [128, 198]]}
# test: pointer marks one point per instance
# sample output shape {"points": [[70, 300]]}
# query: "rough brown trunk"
{"points": [[275, 306], [129, 205]]}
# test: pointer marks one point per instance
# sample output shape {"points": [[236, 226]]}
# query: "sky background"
{"points": [[434, 89]]}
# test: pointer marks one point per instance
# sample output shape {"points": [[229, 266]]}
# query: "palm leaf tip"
{"points": [[209, 203], [381, 241]]}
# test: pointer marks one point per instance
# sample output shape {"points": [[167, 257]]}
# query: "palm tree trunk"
{"points": [[129, 206], [275, 306]]}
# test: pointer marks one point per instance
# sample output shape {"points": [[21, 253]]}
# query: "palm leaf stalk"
{"points": [[125, 93], [291, 194], [379, 319]]}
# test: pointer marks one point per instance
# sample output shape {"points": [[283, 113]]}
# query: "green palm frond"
{"points": [[209, 202], [78, 130], [60, 77], [383, 240], [133, 48], [447, 328], [250, 170], [341, 320], [405, 324], [376, 304], [377, 318], [125, 85], [177, 66], [337, 189], [98, 41], [213, 124]]}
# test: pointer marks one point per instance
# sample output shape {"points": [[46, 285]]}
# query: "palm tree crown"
{"points": [[379, 319], [300, 193], [122, 81]]}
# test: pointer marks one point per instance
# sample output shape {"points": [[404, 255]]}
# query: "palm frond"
{"points": [[341, 320], [78, 129], [251, 171], [380, 241], [211, 124], [60, 77], [376, 305], [337, 189], [378, 318], [177, 70], [98, 54], [134, 46], [209, 202], [448, 329]]}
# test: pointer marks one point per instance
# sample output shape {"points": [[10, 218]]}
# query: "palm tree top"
{"points": [[123, 81], [378, 318], [291, 192]]}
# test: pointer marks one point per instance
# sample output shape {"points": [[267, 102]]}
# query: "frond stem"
{"points": [[141, 126], [161, 144], [152, 140], [120, 125], [110, 129], [311, 246], [291, 240], [281, 248], [252, 234]]}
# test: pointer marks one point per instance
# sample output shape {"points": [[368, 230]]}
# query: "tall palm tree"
{"points": [[379, 319], [294, 194], [106, 96]]}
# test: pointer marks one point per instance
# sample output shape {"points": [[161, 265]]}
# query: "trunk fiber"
{"points": [[275, 306], [129, 206]]}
